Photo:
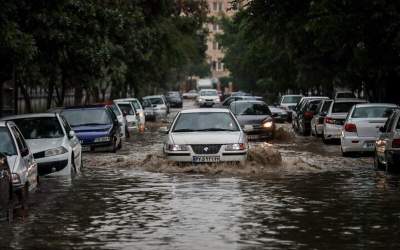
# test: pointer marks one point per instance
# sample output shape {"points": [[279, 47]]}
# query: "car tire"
{"points": [[377, 164], [119, 145], [114, 146]]}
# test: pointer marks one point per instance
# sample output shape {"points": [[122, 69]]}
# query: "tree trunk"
{"points": [[50, 93], [27, 98]]}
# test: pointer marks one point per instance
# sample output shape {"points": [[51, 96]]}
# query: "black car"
{"points": [[5, 185], [174, 99], [305, 114]]}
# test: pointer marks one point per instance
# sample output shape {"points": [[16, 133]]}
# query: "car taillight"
{"points": [[350, 127], [329, 120], [396, 143], [308, 114]]}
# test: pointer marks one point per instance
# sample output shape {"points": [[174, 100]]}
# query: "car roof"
{"points": [[34, 115], [340, 100], [91, 106], [153, 96], [126, 99], [248, 101], [377, 105], [205, 110]]}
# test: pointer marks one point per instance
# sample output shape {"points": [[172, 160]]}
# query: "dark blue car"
{"points": [[96, 126]]}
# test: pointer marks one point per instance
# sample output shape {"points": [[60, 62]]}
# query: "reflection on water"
{"points": [[125, 209]]}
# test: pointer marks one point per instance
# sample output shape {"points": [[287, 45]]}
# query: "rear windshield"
{"points": [[248, 108], [156, 100], [126, 108], [373, 112], [343, 107], [7, 146], [204, 121], [40, 128], [326, 106], [291, 99], [81, 117]]}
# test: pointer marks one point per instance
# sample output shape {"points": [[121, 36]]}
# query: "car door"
{"points": [[384, 137], [73, 140], [28, 164]]}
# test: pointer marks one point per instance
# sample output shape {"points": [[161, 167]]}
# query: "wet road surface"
{"points": [[343, 205]]}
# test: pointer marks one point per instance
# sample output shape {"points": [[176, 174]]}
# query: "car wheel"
{"points": [[73, 165], [377, 164], [114, 146]]}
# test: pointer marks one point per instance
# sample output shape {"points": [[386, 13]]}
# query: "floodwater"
{"points": [[340, 204]]}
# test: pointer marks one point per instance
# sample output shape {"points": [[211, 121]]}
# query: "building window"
{"points": [[221, 6], [215, 45], [214, 66], [215, 6]]}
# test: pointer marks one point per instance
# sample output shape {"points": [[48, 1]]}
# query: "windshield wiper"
{"points": [[184, 130]]}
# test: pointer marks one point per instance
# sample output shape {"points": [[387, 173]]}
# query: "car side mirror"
{"points": [[247, 128], [382, 130], [163, 130], [71, 134], [25, 152]]}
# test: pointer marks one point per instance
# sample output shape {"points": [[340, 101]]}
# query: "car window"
{"points": [[326, 106], [136, 104], [20, 140], [66, 125], [248, 108], [115, 109], [313, 105], [156, 100], [205, 121], [291, 99], [146, 103], [90, 116], [40, 128], [7, 145], [389, 123], [342, 107], [372, 112], [126, 108]]}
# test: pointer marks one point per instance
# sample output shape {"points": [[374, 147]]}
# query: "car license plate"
{"points": [[85, 148], [206, 158], [370, 144], [253, 137]]}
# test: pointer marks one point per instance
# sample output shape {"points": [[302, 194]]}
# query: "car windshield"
{"points": [[136, 104], [372, 112], [126, 108], [7, 146], [209, 93], [205, 121], [82, 117], [291, 99], [40, 128], [342, 107], [248, 108], [115, 109], [146, 103], [156, 100]]}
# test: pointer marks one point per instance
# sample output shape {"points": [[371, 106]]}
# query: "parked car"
{"points": [[208, 98], [20, 159], [166, 103], [345, 94], [148, 108], [160, 105], [335, 117], [54, 145], [227, 102], [121, 119], [289, 103], [96, 126], [256, 117], [387, 146], [205, 135], [174, 99], [317, 122], [361, 128], [6, 187], [280, 115], [304, 114], [192, 94], [129, 112], [140, 115]]}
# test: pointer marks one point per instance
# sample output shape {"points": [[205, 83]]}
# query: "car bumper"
{"points": [[332, 131], [223, 157], [86, 147], [207, 103], [357, 144], [319, 129]]}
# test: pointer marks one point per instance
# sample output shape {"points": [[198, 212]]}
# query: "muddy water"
{"points": [[341, 204]]}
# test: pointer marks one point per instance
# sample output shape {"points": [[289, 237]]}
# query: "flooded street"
{"points": [[315, 199]]}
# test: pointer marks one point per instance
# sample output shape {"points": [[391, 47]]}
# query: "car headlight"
{"points": [[268, 124], [141, 114], [16, 179], [201, 99], [235, 147], [176, 147], [55, 151], [102, 139]]}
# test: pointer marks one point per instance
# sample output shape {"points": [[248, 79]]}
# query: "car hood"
{"points": [[39, 145], [206, 137], [92, 128], [251, 119]]}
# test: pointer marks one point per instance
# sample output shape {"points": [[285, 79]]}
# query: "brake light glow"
{"points": [[350, 127], [396, 143], [329, 120]]}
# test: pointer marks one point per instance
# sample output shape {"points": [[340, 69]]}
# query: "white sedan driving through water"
{"points": [[205, 135]]}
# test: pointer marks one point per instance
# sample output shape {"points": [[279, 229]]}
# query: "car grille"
{"points": [[206, 148]]}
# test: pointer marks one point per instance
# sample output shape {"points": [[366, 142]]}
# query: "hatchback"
{"points": [[205, 135], [140, 115], [130, 114], [96, 126], [160, 106], [362, 125], [53, 143]]}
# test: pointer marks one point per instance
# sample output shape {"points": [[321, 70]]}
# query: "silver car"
{"points": [[139, 110], [205, 135], [361, 128], [53, 143], [160, 105], [20, 159]]}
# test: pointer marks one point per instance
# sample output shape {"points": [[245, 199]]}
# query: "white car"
{"points": [[129, 113], [139, 110], [289, 102], [317, 122], [121, 119], [362, 125], [53, 143], [20, 159], [335, 117], [160, 106], [205, 135], [208, 97]]}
